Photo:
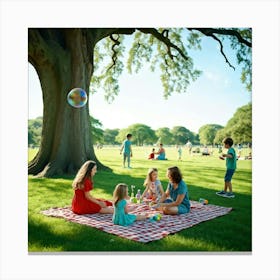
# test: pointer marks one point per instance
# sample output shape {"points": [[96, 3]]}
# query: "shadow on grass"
{"points": [[105, 182], [82, 238], [231, 232]]}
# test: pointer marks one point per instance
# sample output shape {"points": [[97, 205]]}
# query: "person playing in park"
{"points": [[161, 153], [239, 149], [177, 201], [127, 151], [121, 216], [230, 168], [153, 186], [179, 150], [83, 202], [152, 154], [189, 147]]}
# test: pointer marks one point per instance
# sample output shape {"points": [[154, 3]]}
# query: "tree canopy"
{"points": [[208, 132], [142, 134], [96, 130], [109, 136], [181, 135], [65, 58], [164, 135], [35, 131], [239, 127], [166, 49]]}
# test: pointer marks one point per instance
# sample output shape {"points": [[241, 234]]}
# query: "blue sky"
{"points": [[212, 98]]}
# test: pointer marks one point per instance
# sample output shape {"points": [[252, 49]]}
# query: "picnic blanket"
{"points": [[143, 231]]}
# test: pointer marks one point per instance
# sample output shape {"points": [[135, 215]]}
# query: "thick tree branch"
{"points": [[165, 40], [222, 50], [114, 56], [98, 34], [226, 32], [165, 33]]}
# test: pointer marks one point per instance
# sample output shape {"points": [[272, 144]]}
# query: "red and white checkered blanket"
{"points": [[143, 231]]}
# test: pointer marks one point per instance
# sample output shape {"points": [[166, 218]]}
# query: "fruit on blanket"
{"points": [[158, 217], [133, 199]]}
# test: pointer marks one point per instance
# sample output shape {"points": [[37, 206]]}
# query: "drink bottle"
{"points": [[138, 196]]}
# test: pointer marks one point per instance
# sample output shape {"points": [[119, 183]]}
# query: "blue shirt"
{"points": [[181, 189], [126, 147]]}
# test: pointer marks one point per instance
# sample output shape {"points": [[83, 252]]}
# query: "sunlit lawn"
{"points": [[203, 175]]}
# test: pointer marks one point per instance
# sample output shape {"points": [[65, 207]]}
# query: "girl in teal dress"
{"points": [[121, 216]]}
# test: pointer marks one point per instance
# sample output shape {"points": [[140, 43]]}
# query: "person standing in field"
{"points": [[126, 149], [231, 167], [239, 148], [189, 147], [179, 150]]}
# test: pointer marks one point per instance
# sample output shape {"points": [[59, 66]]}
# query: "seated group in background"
{"points": [[205, 151], [161, 153]]}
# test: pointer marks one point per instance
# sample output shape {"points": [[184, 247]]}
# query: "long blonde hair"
{"points": [[148, 179], [83, 173], [120, 193]]}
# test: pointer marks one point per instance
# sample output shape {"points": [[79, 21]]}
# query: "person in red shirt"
{"points": [[152, 154], [83, 202]]}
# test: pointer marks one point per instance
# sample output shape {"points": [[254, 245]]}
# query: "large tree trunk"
{"points": [[63, 60]]}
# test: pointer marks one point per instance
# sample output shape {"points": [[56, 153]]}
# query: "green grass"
{"points": [[203, 175]]}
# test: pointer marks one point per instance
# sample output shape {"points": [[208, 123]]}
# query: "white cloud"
{"points": [[212, 76]]}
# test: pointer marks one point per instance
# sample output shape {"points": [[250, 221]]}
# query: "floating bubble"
{"points": [[77, 98]]}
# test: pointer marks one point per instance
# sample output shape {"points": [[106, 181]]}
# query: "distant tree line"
{"points": [[35, 131], [239, 127]]}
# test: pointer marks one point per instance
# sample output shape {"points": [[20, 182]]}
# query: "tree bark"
{"points": [[63, 60]]}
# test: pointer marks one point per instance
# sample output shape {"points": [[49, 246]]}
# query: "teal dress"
{"points": [[120, 217]]}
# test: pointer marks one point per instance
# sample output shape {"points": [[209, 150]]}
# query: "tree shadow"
{"points": [[231, 232]]}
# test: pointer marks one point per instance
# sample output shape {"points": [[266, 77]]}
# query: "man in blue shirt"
{"points": [[127, 151]]}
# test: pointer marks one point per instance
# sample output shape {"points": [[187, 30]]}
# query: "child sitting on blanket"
{"points": [[121, 216], [153, 186], [152, 154]]}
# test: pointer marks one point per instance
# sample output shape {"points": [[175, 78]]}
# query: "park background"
{"points": [[249, 261], [214, 106], [211, 99]]}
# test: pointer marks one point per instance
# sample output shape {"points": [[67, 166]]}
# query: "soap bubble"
{"points": [[77, 98]]}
